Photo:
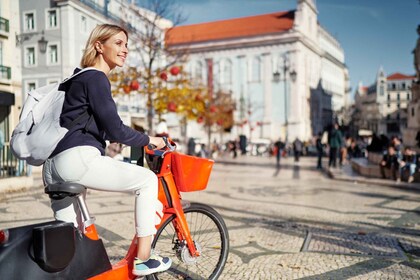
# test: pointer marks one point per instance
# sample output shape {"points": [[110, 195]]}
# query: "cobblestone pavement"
{"points": [[288, 223]]}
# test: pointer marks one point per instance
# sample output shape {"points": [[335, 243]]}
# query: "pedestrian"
{"points": [[232, 148], [278, 148], [390, 162], [408, 163], [191, 146], [80, 156], [353, 151], [297, 148], [203, 153], [335, 139], [320, 150]]}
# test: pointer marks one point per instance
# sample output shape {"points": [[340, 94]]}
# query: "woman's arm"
{"points": [[105, 112]]}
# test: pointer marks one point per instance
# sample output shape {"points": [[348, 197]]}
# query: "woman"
{"points": [[80, 155]]}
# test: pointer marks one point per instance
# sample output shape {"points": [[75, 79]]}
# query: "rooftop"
{"points": [[399, 76], [232, 28]]}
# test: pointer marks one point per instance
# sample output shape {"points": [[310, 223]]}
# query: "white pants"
{"points": [[85, 165]]}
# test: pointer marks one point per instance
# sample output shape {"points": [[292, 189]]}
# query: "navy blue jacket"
{"points": [[91, 91]]}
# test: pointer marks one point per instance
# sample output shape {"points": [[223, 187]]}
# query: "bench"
{"points": [[369, 167]]}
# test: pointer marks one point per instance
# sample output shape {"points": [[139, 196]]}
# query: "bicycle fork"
{"points": [[173, 205]]}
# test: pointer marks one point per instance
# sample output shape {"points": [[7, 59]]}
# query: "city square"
{"points": [[310, 110], [292, 222]]}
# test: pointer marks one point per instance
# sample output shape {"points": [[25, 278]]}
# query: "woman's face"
{"points": [[114, 50]]}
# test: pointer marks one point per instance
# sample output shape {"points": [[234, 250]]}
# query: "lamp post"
{"points": [[42, 43], [276, 79]]}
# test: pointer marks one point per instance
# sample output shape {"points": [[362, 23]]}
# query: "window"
{"points": [[403, 86], [412, 111], [29, 24], [398, 96], [389, 105], [1, 52], [198, 71], [52, 54], [381, 90], [393, 86], [389, 97], [256, 69], [52, 20], [398, 116], [30, 86], [30, 56], [227, 72], [408, 96]]}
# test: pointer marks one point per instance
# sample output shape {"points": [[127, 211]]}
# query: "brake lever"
{"points": [[168, 144]]}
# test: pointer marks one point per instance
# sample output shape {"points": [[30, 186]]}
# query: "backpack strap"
{"points": [[78, 73], [86, 116]]}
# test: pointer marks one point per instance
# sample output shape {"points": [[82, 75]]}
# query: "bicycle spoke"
{"points": [[210, 237]]}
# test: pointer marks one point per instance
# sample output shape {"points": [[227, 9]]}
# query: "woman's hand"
{"points": [[157, 141]]}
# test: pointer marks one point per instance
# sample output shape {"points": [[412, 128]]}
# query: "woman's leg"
{"points": [[85, 165]]}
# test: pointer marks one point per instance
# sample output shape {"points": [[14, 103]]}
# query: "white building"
{"points": [[382, 107], [242, 55]]}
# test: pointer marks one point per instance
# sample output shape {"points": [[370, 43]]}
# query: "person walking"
{"points": [[320, 150], [335, 139], [279, 146], [191, 147], [80, 156], [297, 148]]}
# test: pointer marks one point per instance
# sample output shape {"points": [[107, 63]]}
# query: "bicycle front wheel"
{"points": [[210, 236]]}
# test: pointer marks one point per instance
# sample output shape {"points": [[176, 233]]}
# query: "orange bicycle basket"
{"points": [[190, 173]]}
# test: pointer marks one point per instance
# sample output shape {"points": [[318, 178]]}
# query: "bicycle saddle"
{"points": [[61, 190]]}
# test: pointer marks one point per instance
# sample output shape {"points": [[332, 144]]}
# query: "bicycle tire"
{"points": [[209, 231]]}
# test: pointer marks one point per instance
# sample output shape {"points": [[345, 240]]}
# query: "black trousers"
{"points": [[333, 157]]}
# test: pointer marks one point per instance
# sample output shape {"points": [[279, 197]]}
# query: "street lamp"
{"points": [[276, 79], [42, 43]]}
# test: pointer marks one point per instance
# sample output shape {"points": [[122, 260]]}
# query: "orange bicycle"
{"points": [[193, 235]]}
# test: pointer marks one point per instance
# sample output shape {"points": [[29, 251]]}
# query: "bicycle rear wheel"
{"points": [[211, 238]]}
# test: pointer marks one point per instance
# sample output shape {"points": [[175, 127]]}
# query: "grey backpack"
{"points": [[39, 131]]}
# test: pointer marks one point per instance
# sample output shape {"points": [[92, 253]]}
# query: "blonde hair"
{"points": [[100, 33]]}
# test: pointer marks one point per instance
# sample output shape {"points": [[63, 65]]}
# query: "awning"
{"points": [[7, 98]]}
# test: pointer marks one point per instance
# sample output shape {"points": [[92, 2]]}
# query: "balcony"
{"points": [[104, 11], [5, 73], [4, 27]]}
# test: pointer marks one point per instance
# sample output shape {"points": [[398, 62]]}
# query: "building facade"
{"points": [[382, 107], [10, 81], [285, 71]]}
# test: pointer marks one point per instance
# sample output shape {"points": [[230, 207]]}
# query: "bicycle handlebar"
{"points": [[170, 146]]}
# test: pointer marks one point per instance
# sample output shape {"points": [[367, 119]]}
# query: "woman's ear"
{"points": [[98, 47]]}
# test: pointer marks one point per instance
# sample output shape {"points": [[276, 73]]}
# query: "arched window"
{"points": [[227, 71], [256, 69], [198, 71]]}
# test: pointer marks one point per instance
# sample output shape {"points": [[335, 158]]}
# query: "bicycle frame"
{"points": [[171, 199]]}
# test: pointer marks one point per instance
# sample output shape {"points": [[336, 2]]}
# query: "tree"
{"points": [[218, 115], [153, 56]]}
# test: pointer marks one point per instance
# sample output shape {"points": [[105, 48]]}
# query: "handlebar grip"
{"points": [[151, 146]]}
